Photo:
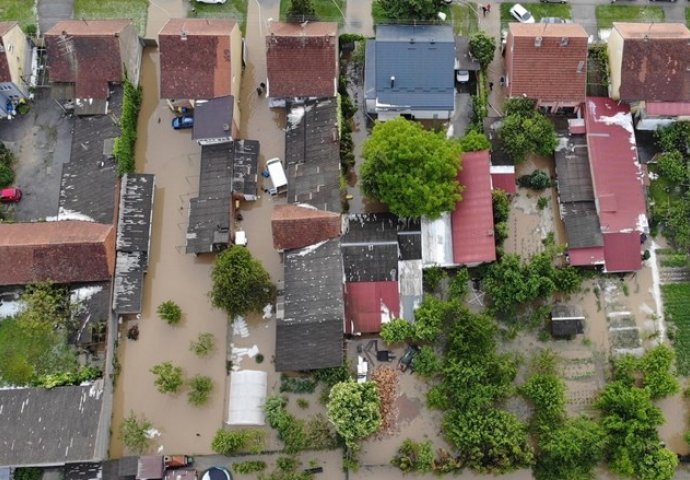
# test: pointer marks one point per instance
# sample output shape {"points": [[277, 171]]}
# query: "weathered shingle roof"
{"points": [[195, 58], [295, 226], [302, 59], [655, 62], [547, 61], [63, 252], [86, 53], [310, 336], [413, 66], [50, 427]]}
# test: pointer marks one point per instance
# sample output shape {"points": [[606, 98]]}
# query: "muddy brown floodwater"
{"points": [[174, 158], [160, 11]]}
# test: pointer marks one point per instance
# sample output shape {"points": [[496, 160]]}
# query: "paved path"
{"points": [[358, 17], [52, 11]]}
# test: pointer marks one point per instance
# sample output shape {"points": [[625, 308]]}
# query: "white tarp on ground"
{"points": [[247, 397]]}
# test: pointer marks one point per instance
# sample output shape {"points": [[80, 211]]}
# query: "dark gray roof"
{"points": [[245, 168], [421, 59], [89, 179], [312, 153], [83, 471], [375, 262], [213, 119], [566, 328], [50, 427], [120, 468], [562, 310], [129, 282], [462, 53], [572, 170], [94, 106], [582, 225], [310, 336], [136, 206]]}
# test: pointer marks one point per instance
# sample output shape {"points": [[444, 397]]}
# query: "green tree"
{"points": [[673, 167], [411, 169], [409, 10], [170, 312], [200, 389], [168, 377], [658, 370], [354, 408], [415, 456], [134, 433], [397, 330], [474, 141], [301, 10], [501, 205], [674, 137], [547, 394], [526, 131], [482, 47], [204, 345], [228, 442], [240, 283], [570, 452], [427, 362], [537, 180]]}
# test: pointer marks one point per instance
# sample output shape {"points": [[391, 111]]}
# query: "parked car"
{"points": [[10, 195], [521, 14], [553, 1], [552, 20], [462, 76], [211, 1], [405, 361], [184, 121]]}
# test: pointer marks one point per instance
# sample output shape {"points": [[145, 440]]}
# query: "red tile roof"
{"points": [[555, 70], [295, 226], [585, 257], [503, 178], [63, 252], [655, 61], [86, 53], [366, 303], [672, 109], [616, 173], [302, 60], [622, 252], [195, 65], [472, 221]]}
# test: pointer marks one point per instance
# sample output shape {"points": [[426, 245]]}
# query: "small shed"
{"points": [[150, 467], [247, 397], [566, 321]]}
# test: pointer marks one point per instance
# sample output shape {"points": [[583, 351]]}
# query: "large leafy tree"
{"points": [[240, 283], [482, 47], [354, 408], [411, 169], [301, 10], [409, 10], [526, 131]]}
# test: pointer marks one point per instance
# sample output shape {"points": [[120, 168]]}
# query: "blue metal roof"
{"points": [[414, 66]]}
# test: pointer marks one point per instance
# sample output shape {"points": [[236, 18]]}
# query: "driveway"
{"points": [[52, 11], [41, 141]]}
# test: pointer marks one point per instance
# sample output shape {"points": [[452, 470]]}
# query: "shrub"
{"points": [[414, 456], [397, 330], [426, 363], [537, 180], [259, 358], [170, 312], [123, 147], [542, 203], [297, 384], [200, 389], [250, 466], [204, 345], [229, 442], [6, 175], [168, 377], [432, 278], [134, 433], [658, 369], [303, 403], [28, 473]]}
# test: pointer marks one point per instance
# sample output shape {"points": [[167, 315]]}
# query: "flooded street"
{"points": [[160, 11]]}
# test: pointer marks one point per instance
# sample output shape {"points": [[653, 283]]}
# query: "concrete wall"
{"points": [[615, 50], [236, 70]]}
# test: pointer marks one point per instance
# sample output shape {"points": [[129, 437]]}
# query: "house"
{"points": [[61, 252], [548, 63], [601, 190], [85, 57], [295, 226], [15, 67], [301, 62], [50, 427], [201, 59], [410, 70], [213, 122], [464, 236], [650, 65]]}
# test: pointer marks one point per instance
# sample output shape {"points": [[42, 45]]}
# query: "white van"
{"points": [[277, 174]]}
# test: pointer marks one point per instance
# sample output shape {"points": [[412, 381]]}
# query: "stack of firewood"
{"points": [[386, 379]]}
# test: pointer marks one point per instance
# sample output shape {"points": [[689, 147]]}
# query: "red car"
{"points": [[10, 195]]}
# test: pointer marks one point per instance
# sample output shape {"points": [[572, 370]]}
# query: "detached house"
{"points": [[650, 69], [201, 59], [548, 63], [85, 57], [15, 67], [410, 70], [301, 62]]}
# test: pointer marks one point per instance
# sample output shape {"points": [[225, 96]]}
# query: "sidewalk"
{"points": [[491, 25]]}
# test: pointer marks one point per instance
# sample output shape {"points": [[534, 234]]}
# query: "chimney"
{"points": [[537, 42], [392, 81]]}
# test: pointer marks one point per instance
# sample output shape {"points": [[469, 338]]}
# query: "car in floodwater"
{"points": [[184, 121]]}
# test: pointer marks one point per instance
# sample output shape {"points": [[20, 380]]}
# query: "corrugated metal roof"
{"points": [[622, 252], [368, 304], [437, 244], [586, 257], [421, 60], [504, 181], [472, 221]]}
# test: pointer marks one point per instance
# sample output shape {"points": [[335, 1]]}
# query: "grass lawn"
{"points": [[136, 10], [19, 10], [380, 16], [607, 14], [677, 307], [235, 9], [326, 10], [538, 11], [687, 16], [464, 19]]}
